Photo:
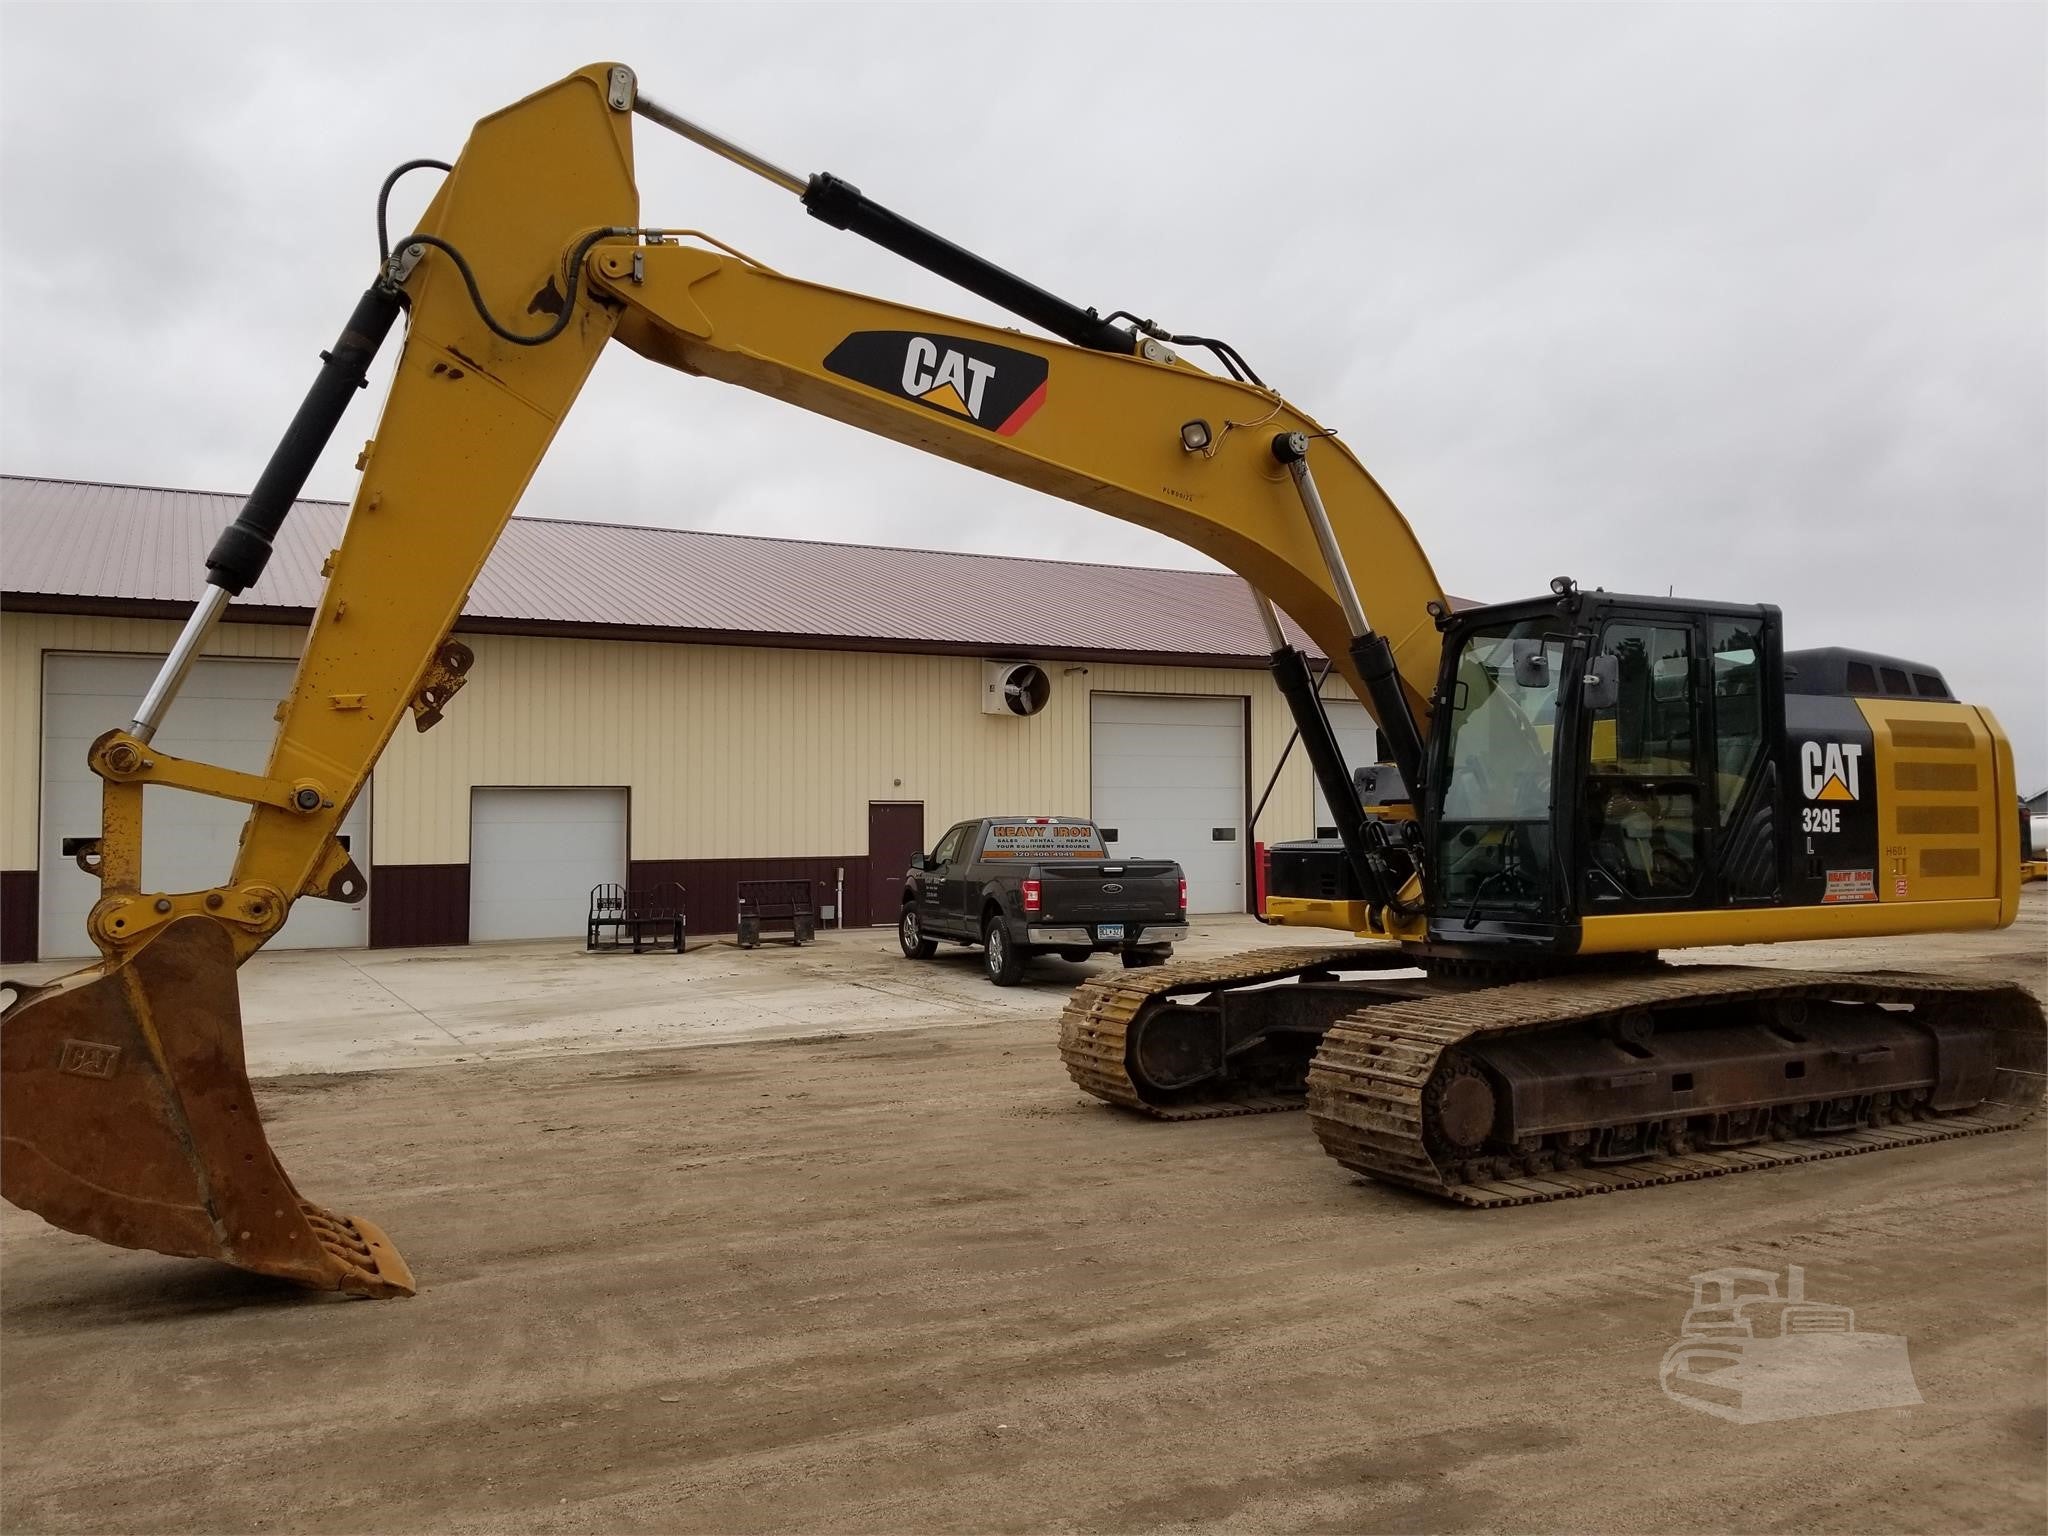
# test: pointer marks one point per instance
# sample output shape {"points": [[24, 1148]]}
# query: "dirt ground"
{"points": [[909, 1279]]}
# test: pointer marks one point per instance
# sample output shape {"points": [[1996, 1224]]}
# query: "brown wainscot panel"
{"points": [[17, 916], [414, 904], [711, 886]]}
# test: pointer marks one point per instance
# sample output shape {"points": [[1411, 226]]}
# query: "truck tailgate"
{"points": [[1138, 892]]}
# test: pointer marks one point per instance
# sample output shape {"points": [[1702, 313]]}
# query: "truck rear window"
{"points": [[1028, 840]]}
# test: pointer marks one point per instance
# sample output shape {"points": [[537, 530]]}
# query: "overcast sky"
{"points": [[1742, 300]]}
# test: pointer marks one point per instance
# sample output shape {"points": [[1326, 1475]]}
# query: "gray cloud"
{"points": [[1744, 301]]}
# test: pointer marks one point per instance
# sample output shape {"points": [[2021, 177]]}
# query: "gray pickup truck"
{"points": [[1021, 886]]}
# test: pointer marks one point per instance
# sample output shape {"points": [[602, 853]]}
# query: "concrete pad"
{"points": [[359, 1010]]}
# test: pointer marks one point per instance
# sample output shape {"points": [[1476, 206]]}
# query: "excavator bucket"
{"points": [[126, 1115]]}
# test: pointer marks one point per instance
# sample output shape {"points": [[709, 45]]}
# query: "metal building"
{"points": [[646, 704]]}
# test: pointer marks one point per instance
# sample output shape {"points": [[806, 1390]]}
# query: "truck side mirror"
{"points": [[1602, 683], [919, 862]]}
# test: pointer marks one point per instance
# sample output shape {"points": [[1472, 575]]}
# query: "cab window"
{"points": [[1648, 731], [949, 845], [1643, 810], [1738, 710], [1493, 842]]}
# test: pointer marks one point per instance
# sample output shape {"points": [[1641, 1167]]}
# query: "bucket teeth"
{"points": [[126, 1115]]}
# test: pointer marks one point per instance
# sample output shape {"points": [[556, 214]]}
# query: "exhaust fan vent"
{"points": [[1014, 688]]}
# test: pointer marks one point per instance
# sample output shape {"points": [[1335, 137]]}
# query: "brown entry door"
{"points": [[895, 837]]}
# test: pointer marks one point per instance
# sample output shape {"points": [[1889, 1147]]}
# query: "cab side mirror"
{"points": [[1601, 686], [919, 862]]}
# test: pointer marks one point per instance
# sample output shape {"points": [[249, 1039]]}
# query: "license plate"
{"points": [[1105, 932]]}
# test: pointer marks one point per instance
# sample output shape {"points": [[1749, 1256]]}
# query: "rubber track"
{"points": [[1095, 1025], [1366, 1083]]}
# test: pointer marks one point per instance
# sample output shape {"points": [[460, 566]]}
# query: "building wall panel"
{"points": [[741, 753], [419, 904], [733, 753], [20, 911]]}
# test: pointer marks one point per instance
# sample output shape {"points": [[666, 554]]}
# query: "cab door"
{"points": [[1646, 805], [937, 881], [1746, 676], [1679, 798], [963, 892]]}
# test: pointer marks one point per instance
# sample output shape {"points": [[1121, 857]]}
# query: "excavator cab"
{"points": [[1601, 755], [1589, 755]]}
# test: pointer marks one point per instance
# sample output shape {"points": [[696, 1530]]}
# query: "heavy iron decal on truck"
{"points": [[994, 387]]}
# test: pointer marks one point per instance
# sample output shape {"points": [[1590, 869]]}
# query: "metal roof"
{"points": [[72, 544]]}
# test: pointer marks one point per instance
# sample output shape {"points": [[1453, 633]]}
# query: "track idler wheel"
{"points": [[1174, 1048], [126, 1115], [1459, 1109]]}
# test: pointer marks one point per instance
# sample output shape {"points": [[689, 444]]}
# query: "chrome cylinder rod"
{"points": [[1275, 635], [170, 677], [1371, 655], [1291, 449], [720, 145]]}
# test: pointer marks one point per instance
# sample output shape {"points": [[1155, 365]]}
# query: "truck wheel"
{"points": [[915, 945], [1005, 964], [1135, 959], [1076, 956]]}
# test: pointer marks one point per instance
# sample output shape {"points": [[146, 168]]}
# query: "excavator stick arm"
{"points": [[127, 1108]]}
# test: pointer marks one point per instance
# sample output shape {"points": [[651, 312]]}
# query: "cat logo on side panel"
{"points": [[1830, 770], [998, 388]]}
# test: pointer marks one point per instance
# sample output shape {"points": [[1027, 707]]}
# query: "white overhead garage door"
{"points": [[1166, 776], [225, 714], [534, 854], [1354, 730]]}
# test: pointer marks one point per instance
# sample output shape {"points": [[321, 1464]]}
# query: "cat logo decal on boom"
{"points": [[999, 388], [1828, 769]]}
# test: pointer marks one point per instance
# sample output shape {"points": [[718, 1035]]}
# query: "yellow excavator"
{"points": [[1571, 783]]}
